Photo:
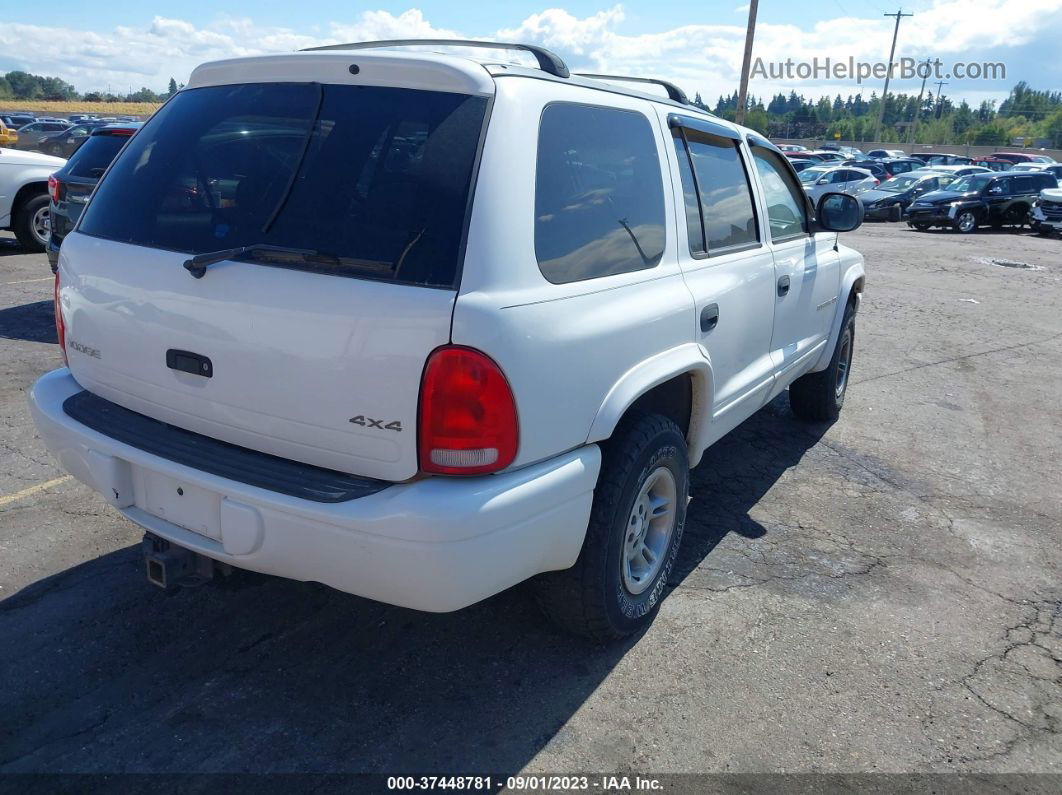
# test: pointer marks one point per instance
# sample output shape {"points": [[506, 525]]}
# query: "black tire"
{"points": [[920, 227], [23, 226], [591, 598], [819, 397]]}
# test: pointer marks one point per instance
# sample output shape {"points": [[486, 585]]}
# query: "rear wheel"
{"points": [[921, 227], [633, 537], [33, 224], [820, 396]]}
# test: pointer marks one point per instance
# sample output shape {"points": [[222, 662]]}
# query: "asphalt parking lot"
{"points": [[883, 594]]}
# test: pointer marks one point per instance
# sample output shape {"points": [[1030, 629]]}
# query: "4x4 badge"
{"points": [[369, 422]]}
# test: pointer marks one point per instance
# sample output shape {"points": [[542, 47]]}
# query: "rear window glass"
{"points": [[599, 199], [372, 181], [94, 155]]}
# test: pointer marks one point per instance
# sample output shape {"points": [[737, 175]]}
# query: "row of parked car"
{"points": [[41, 196], [53, 136], [938, 189]]}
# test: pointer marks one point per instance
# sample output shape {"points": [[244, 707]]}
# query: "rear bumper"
{"points": [[436, 544]]}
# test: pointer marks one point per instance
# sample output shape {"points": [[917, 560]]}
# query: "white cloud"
{"points": [[700, 57]]}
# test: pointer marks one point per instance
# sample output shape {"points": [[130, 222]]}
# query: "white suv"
{"points": [[421, 328]]}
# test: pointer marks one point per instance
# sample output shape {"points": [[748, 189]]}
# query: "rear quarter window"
{"points": [[599, 196]]}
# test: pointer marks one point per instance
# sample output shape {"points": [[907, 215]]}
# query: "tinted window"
{"points": [[1023, 184], [786, 200], [374, 180], [599, 199], [94, 155], [694, 230], [725, 197]]}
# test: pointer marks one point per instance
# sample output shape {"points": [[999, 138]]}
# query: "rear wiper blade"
{"points": [[197, 265]]}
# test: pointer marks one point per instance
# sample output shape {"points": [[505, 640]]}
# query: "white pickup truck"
{"points": [[24, 195], [421, 327]]}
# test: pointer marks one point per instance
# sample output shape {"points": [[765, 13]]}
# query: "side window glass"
{"points": [[786, 202], [1023, 185], [694, 227], [599, 196], [726, 204]]}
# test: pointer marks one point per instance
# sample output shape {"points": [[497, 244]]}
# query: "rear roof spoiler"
{"points": [[548, 62]]}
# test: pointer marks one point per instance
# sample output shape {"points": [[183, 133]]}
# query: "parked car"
{"points": [[31, 134], [978, 200], [836, 179], [1046, 214], [8, 136], [65, 143], [817, 158], [799, 164], [960, 171], [792, 148], [873, 166], [881, 154], [369, 384], [71, 186], [24, 195], [901, 165], [994, 163], [889, 200], [830, 156], [942, 159], [1023, 157], [1055, 169], [848, 151], [17, 121]]}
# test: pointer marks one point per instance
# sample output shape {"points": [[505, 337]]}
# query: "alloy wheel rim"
{"points": [[41, 225], [647, 533], [966, 222]]}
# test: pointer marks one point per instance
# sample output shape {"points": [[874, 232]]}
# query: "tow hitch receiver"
{"points": [[171, 567]]}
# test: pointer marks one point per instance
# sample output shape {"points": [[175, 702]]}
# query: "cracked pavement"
{"points": [[879, 595]]}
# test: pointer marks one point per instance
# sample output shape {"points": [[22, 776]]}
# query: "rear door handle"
{"points": [[783, 287], [709, 318]]}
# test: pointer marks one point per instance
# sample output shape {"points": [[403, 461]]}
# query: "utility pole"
{"points": [[746, 62], [918, 107], [888, 72], [940, 99]]}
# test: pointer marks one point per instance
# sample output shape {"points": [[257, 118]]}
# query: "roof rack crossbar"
{"points": [[673, 92], [547, 61]]}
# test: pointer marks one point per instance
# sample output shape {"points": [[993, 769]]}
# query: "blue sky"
{"points": [[122, 43]]}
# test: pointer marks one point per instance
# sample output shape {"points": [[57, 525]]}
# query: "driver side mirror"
{"points": [[823, 180], [838, 212], [995, 189]]}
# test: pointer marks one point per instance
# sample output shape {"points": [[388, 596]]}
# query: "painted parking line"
{"points": [[27, 281], [29, 492]]}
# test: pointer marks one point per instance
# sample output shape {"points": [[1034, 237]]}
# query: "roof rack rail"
{"points": [[547, 61], [673, 92]]}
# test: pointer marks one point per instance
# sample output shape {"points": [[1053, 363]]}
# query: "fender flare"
{"points": [[684, 359], [855, 272]]}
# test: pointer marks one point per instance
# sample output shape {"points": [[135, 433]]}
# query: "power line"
{"points": [[888, 72]]}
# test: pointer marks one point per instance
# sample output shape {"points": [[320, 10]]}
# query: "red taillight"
{"points": [[53, 188], [468, 423], [60, 324]]}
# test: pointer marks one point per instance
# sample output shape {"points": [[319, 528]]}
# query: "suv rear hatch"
{"points": [[313, 348]]}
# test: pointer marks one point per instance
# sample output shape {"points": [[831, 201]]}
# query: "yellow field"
{"points": [[45, 108]]}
